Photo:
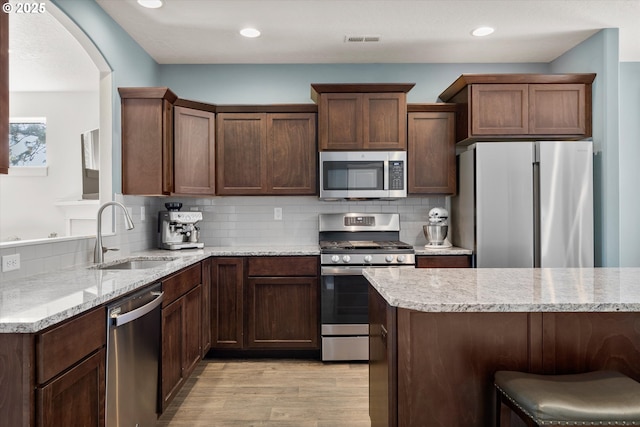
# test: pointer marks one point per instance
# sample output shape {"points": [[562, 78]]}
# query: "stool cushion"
{"points": [[579, 399]]}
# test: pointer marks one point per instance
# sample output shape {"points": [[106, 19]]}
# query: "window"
{"points": [[28, 142]]}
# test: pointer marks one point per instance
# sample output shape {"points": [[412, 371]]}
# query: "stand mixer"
{"points": [[177, 230], [437, 229]]}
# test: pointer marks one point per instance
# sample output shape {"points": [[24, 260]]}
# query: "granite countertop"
{"points": [[36, 302], [453, 250], [509, 289]]}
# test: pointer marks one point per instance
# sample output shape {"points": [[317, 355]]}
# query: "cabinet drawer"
{"points": [[62, 346], [180, 283], [283, 266], [443, 261]]}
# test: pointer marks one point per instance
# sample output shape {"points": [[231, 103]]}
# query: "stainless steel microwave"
{"points": [[363, 174]]}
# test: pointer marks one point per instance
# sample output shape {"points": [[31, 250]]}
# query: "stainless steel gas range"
{"points": [[350, 242]]}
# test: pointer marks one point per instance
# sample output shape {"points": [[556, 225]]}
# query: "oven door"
{"points": [[344, 314]]}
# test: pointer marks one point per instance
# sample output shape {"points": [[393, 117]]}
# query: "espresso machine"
{"points": [[178, 230]]}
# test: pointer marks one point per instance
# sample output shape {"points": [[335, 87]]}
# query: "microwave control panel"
{"points": [[396, 175]]}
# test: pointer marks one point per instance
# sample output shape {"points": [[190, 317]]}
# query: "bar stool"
{"points": [[595, 398]]}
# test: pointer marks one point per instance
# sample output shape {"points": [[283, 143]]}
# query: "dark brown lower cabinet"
{"points": [[75, 398], [265, 303], [55, 377], [181, 343], [436, 369], [282, 312], [172, 349], [383, 388], [227, 285]]}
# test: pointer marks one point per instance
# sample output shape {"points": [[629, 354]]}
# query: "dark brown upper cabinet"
{"points": [[521, 106], [355, 117], [194, 151], [431, 149], [167, 144], [260, 153]]}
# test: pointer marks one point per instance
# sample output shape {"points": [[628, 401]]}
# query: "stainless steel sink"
{"points": [[134, 264]]}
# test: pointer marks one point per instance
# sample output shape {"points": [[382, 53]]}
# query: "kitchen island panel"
{"points": [[446, 363], [582, 342]]}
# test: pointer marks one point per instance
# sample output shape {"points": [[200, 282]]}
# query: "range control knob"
{"points": [[401, 258], [389, 258], [368, 258], [346, 258], [335, 259]]}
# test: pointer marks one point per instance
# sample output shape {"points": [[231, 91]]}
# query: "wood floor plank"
{"points": [[270, 393]]}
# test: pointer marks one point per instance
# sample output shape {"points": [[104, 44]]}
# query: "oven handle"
{"points": [[341, 271]]}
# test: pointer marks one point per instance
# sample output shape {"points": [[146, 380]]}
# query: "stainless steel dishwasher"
{"points": [[133, 353]]}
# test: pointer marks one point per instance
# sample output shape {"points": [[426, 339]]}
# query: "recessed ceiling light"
{"points": [[482, 31], [150, 4], [250, 32]]}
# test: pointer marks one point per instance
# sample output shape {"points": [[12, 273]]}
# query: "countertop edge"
{"points": [[134, 281], [393, 296]]}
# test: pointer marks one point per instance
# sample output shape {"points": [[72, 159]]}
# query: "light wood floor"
{"points": [[270, 393]]}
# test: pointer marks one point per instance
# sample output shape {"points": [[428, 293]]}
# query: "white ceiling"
{"points": [[44, 56], [411, 31]]}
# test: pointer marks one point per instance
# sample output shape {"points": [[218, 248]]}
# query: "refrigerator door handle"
{"points": [[536, 213]]}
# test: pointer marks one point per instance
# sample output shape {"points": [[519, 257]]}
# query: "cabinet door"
{"points": [[194, 155], [340, 121], [172, 351], [291, 153], [192, 329], [432, 153], [382, 362], [557, 109], [75, 398], [384, 121], [147, 146], [241, 154], [499, 109], [282, 312], [227, 275]]}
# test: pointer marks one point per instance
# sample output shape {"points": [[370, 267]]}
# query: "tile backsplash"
{"points": [[242, 221], [227, 221]]}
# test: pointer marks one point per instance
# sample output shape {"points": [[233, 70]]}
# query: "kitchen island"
{"points": [[438, 335]]}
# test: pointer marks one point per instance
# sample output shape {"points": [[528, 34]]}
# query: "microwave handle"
{"points": [[385, 173]]}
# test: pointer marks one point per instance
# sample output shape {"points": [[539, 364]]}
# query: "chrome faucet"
{"points": [[99, 251]]}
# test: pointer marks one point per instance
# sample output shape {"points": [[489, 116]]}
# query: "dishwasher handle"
{"points": [[121, 319]]}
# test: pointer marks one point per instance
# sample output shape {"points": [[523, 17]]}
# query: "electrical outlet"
{"points": [[277, 214], [10, 262]]}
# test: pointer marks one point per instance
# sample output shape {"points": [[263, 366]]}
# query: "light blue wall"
{"points": [[130, 64], [629, 164], [599, 54], [290, 83]]}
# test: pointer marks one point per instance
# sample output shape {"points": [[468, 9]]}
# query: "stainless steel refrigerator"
{"points": [[525, 204]]}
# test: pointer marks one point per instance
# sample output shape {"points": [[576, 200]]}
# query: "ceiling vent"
{"points": [[361, 39]]}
